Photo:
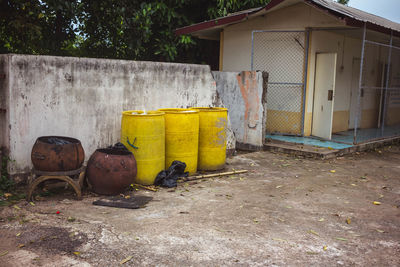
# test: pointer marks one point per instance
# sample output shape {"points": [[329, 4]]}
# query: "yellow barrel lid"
{"points": [[178, 110], [212, 109], [143, 113]]}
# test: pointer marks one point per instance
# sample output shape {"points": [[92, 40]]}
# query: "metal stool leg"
{"points": [[75, 184]]}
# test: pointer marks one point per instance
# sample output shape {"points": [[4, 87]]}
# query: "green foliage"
{"points": [[124, 29], [344, 2], [6, 183], [13, 199], [130, 29], [224, 7], [9, 193], [37, 27]]}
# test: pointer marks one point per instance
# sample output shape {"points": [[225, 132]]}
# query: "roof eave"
{"points": [[371, 26], [353, 22], [221, 22], [211, 23], [225, 20]]}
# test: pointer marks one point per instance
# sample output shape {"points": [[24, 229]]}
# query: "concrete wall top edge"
{"points": [[114, 61]]}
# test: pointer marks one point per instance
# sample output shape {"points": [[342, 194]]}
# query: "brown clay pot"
{"points": [[57, 154], [110, 171]]}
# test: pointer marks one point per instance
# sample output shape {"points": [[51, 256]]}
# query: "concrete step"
{"points": [[302, 150], [323, 152]]}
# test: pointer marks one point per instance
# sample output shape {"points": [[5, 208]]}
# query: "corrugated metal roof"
{"points": [[358, 14], [352, 16]]}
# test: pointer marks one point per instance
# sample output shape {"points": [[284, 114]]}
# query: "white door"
{"points": [[324, 90], [355, 76]]}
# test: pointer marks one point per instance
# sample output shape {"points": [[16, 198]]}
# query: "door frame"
{"points": [[314, 93]]}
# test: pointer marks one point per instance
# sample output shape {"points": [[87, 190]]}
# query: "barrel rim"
{"points": [[178, 110], [43, 139], [114, 152], [140, 113], [210, 109]]}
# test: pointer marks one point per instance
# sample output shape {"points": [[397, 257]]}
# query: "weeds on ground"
{"points": [[8, 193], [6, 184]]}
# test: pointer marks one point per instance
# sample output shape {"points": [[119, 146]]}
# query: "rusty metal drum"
{"points": [[57, 154], [110, 171]]}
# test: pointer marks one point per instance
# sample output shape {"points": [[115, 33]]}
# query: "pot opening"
{"points": [[58, 140], [113, 151]]}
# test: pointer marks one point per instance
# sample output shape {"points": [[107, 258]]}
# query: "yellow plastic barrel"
{"points": [[144, 135], [181, 137], [212, 138]]}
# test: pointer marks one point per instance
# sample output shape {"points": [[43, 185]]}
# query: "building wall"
{"points": [[237, 37], [237, 43], [375, 58], [284, 110], [346, 48], [394, 100], [84, 98], [348, 51]]}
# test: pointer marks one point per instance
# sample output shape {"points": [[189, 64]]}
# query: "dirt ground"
{"points": [[286, 211]]}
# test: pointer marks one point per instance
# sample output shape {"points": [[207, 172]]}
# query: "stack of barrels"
{"points": [[196, 136]]}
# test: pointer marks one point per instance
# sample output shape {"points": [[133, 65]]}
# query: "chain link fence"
{"points": [[282, 54], [378, 105]]}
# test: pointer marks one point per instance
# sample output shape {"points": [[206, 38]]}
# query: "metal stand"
{"points": [[75, 178]]}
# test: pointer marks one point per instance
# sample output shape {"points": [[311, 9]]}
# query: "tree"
{"points": [[344, 2], [131, 29], [124, 29], [37, 27]]}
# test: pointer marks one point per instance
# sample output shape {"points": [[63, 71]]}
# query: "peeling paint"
{"points": [[242, 94], [247, 81]]}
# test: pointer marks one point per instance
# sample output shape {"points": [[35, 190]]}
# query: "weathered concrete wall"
{"points": [[84, 98], [243, 93], [4, 133]]}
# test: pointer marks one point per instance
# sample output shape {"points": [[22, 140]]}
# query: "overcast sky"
{"points": [[389, 9]]}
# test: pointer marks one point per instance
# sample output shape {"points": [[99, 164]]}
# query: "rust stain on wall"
{"points": [[247, 81]]}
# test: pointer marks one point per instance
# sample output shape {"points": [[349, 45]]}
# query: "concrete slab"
{"points": [[309, 141], [313, 148], [287, 211]]}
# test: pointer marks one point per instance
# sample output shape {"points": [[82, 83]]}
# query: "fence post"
{"points": [[252, 51], [307, 37], [387, 83], [358, 112]]}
